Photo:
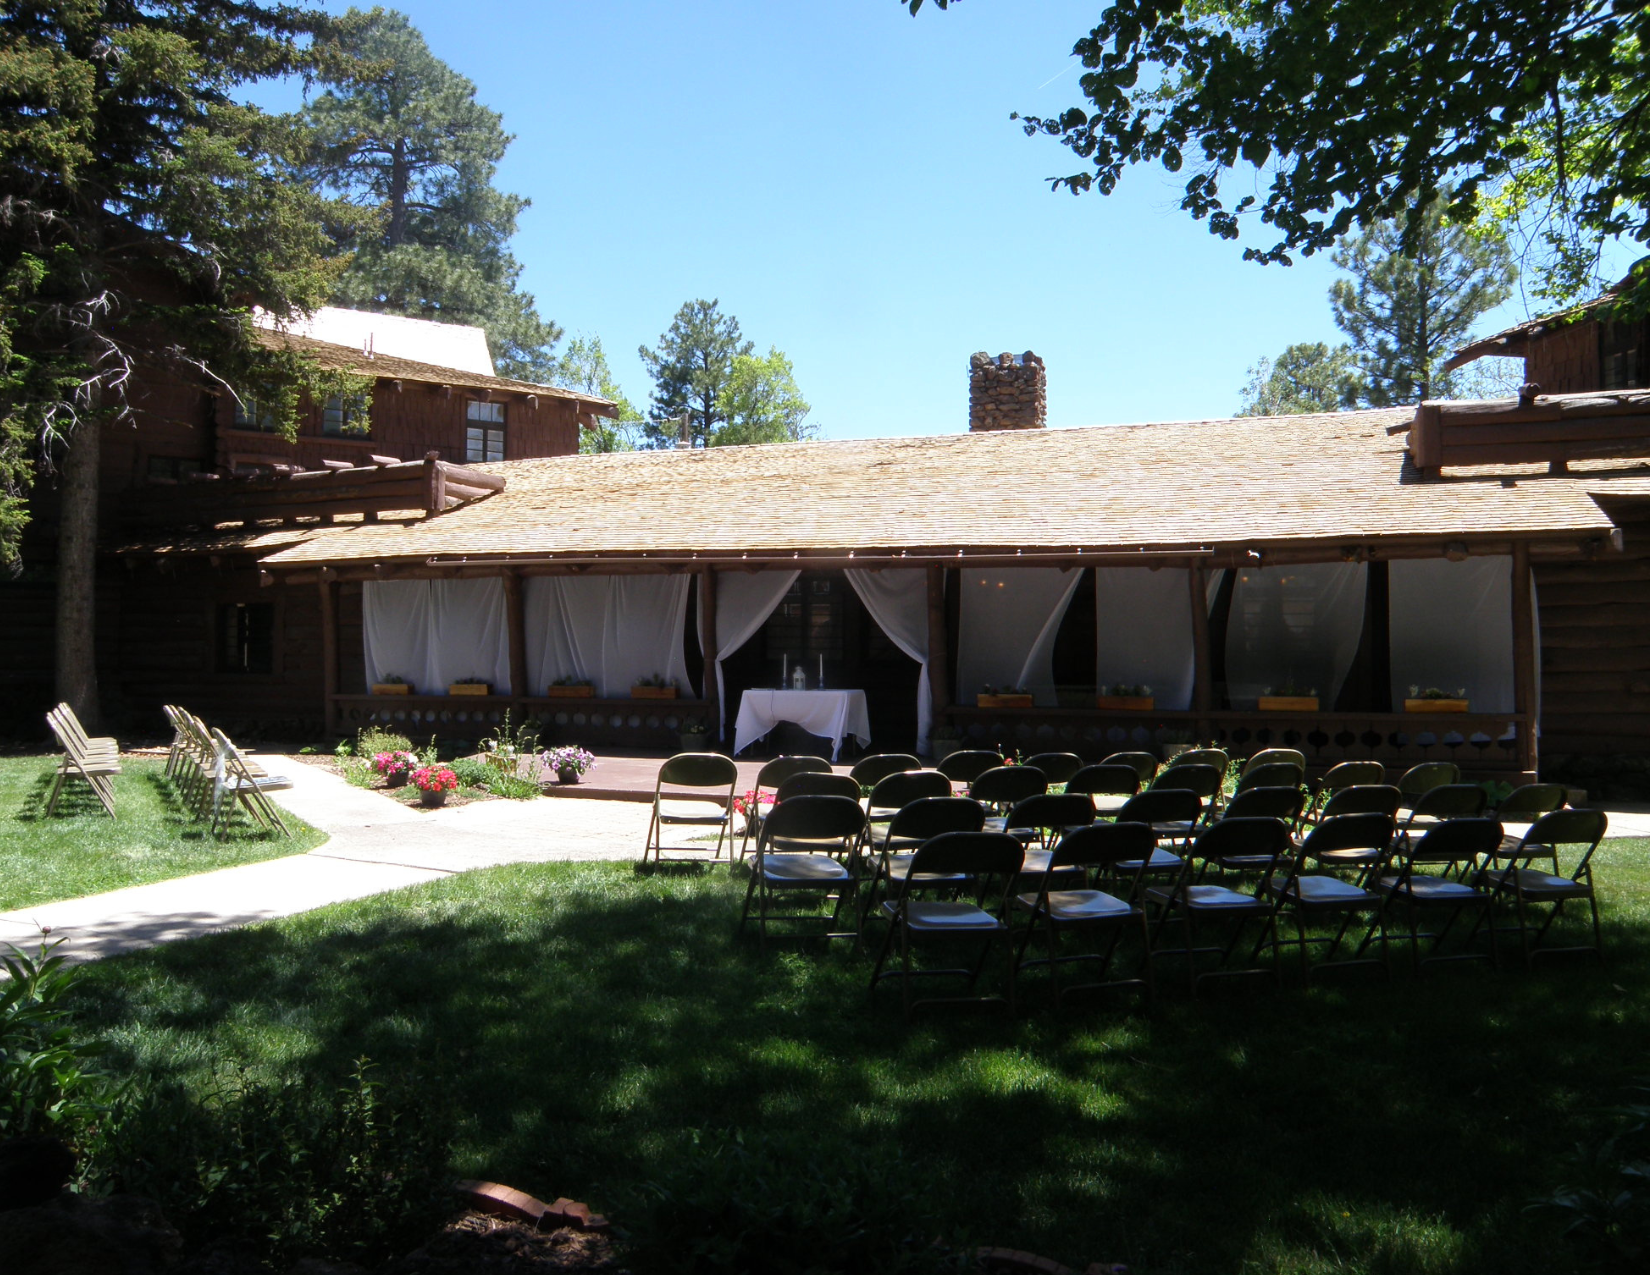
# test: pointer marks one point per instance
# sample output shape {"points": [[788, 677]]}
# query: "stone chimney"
{"points": [[1004, 394]]}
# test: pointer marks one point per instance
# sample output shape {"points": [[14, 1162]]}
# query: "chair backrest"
{"points": [[868, 771], [1059, 767], [1348, 774], [929, 816], [1162, 805], [1450, 801], [63, 724], [968, 854], [1266, 803], [780, 769], [1103, 845], [817, 784], [1246, 838], [698, 770], [1216, 757], [1568, 828], [814, 818], [1050, 812], [1349, 832], [1004, 785], [1203, 779], [1427, 776], [1363, 799], [1272, 756], [1461, 840], [1105, 780], [1145, 765], [968, 764], [1531, 801], [1276, 774], [71, 723], [905, 786]]}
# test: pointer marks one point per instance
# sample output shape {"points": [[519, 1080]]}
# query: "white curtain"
{"points": [[436, 632], [1145, 626], [1451, 627], [1008, 622], [610, 630], [744, 601], [1294, 626], [898, 602]]}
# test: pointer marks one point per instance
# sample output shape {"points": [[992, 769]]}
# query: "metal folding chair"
{"points": [[808, 845], [700, 795]]}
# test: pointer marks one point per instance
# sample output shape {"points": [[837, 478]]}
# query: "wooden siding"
{"points": [[1564, 360]]}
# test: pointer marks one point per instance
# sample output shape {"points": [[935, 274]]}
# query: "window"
{"points": [[484, 431], [1621, 355], [246, 637], [172, 467], [250, 414], [345, 417]]}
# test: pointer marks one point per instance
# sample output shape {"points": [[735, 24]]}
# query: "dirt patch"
{"points": [[477, 1244]]}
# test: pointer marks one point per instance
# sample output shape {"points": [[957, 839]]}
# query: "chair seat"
{"points": [[88, 767], [801, 869], [1359, 858], [688, 811], [1428, 889], [1157, 861], [1208, 898], [945, 917], [1537, 885], [1077, 905], [262, 783], [805, 845], [1325, 891], [1174, 828], [1108, 803]]}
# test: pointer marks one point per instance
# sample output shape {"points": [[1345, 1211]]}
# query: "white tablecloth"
{"points": [[832, 714]]}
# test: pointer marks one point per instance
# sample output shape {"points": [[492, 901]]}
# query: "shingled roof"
{"points": [[1250, 482]]}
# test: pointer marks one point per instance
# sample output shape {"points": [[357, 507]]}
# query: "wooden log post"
{"points": [[1202, 657], [1526, 697], [707, 645], [515, 628], [329, 652], [939, 671]]}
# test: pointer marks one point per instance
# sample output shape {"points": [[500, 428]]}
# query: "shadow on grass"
{"points": [[591, 1021]]}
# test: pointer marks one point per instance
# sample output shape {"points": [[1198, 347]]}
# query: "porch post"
{"points": [[515, 628], [939, 675], [707, 645], [329, 651], [1202, 660], [1524, 657]]}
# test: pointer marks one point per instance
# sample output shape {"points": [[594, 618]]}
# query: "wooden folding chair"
{"points": [[247, 785], [96, 766]]}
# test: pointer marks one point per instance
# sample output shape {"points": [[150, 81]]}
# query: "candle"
{"points": [[784, 667], [822, 670]]}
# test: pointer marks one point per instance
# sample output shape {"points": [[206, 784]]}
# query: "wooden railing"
{"points": [[1480, 743], [624, 723]]}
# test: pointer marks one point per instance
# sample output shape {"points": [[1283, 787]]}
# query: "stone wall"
{"points": [[1005, 393]]}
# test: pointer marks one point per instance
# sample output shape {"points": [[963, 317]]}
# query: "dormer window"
{"points": [[484, 431]]}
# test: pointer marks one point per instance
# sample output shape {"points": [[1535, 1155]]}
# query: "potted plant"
{"points": [[470, 686], [656, 687], [393, 684], [395, 767], [1126, 698], [944, 740], [1433, 700], [569, 762], [434, 783], [571, 687], [695, 736], [505, 750], [1289, 698], [1003, 697]]}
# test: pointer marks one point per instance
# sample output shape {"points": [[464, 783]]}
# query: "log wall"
{"points": [[1564, 360]]}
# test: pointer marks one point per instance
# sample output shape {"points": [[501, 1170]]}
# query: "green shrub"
{"points": [[1605, 1205], [371, 740], [471, 772], [502, 784]]}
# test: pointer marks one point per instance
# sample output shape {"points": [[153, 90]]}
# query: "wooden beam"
{"points": [[939, 672], [329, 652], [515, 624], [1202, 651], [1525, 694], [707, 643]]}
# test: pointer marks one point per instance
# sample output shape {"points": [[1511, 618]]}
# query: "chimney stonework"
{"points": [[1007, 394]]}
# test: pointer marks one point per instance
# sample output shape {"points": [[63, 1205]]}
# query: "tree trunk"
{"points": [[77, 571], [400, 181]]}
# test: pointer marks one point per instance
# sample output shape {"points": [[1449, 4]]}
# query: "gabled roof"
{"points": [[1249, 482]]}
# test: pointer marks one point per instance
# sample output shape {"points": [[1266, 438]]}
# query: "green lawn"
{"points": [[80, 850], [590, 1026]]}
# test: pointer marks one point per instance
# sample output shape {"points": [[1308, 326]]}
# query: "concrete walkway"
{"points": [[376, 844]]}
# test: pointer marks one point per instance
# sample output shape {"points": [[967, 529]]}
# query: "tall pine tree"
{"points": [[409, 140], [692, 369]]}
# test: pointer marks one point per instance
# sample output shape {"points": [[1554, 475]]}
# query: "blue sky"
{"points": [[845, 179]]}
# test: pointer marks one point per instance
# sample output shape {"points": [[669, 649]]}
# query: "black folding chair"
{"points": [[770, 777], [867, 771], [1529, 887], [694, 790], [967, 765], [1059, 767], [1443, 845], [1107, 786], [808, 845], [1000, 787], [1360, 842]]}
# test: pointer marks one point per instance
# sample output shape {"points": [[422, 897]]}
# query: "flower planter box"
{"points": [[653, 692], [1126, 703], [570, 692], [1002, 701], [1288, 704], [1435, 706], [469, 688], [391, 688]]}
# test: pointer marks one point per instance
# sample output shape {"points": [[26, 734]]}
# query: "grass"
{"points": [[590, 1026], [80, 850]]}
